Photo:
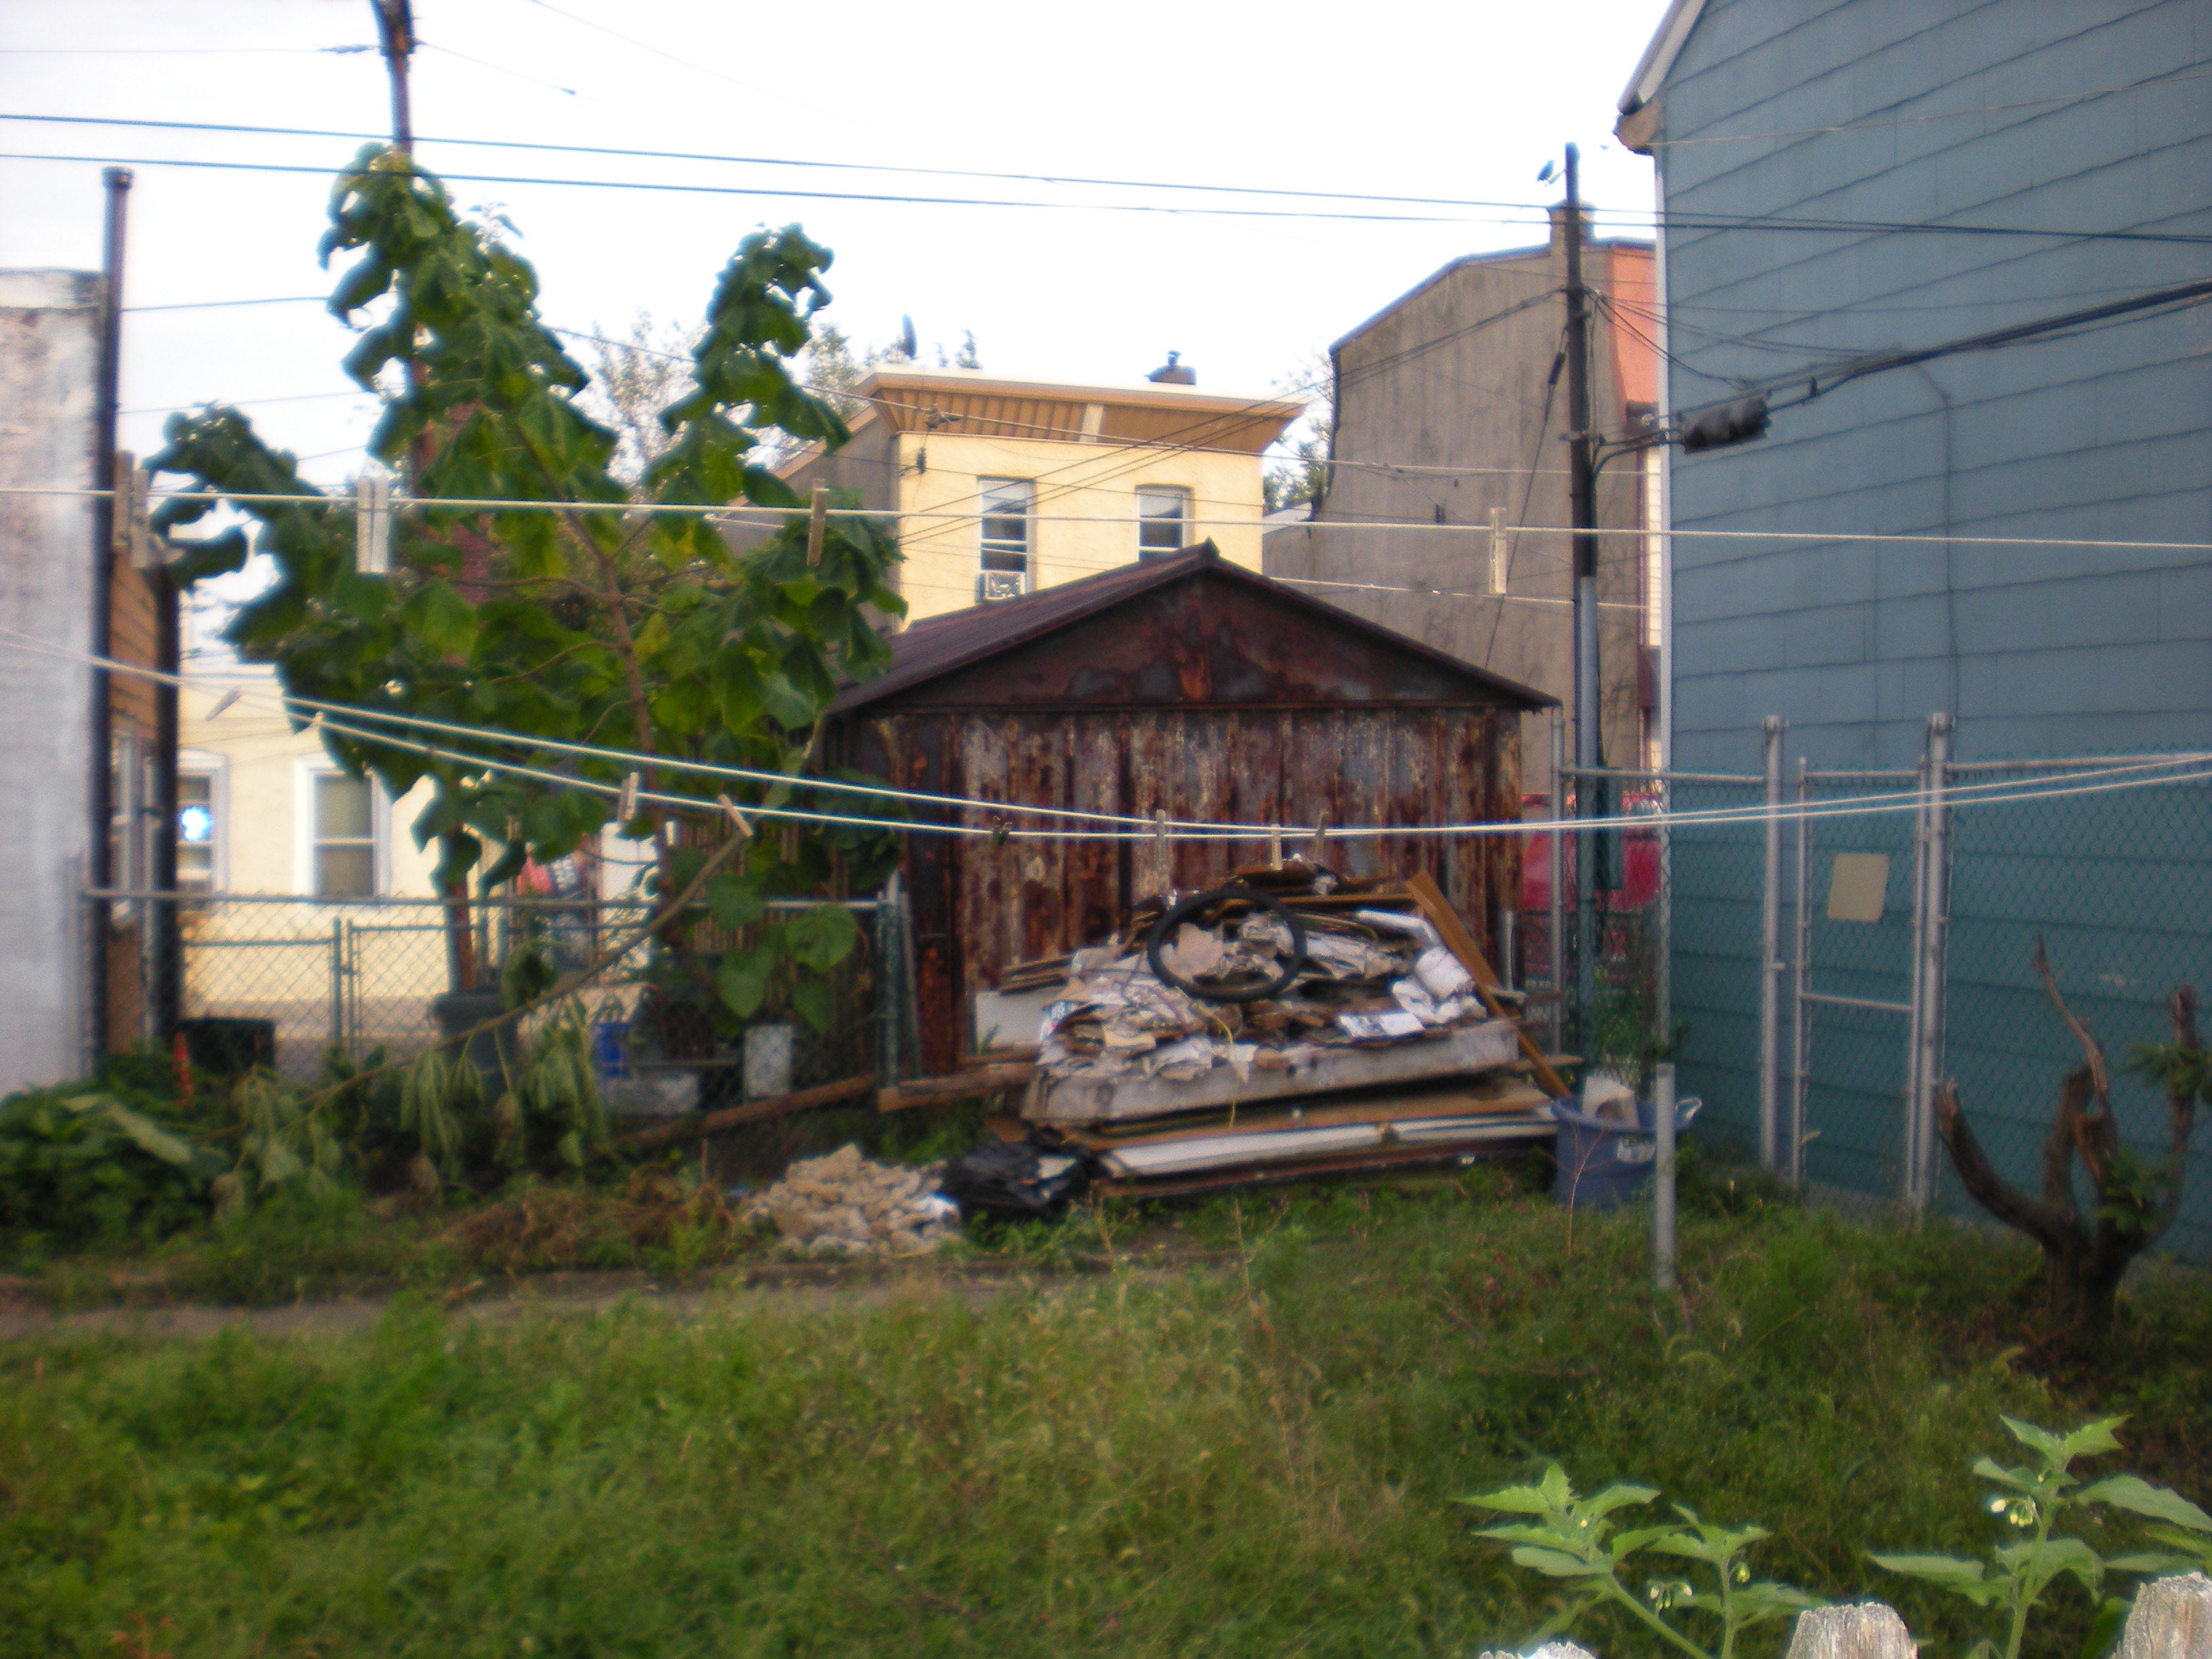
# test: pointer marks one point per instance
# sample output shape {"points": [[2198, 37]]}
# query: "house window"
{"points": [[1162, 520], [345, 836], [1005, 563], [196, 831]]}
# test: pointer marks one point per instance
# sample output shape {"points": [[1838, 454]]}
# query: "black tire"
{"points": [[1163, 929]]}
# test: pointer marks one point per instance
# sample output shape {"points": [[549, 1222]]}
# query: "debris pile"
{"points": [[1292, 1022], [843, 1205], [1179, 1005]]}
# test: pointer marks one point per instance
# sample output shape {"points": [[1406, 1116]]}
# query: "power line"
{"points": [[1529, 214], [666, 187], [499, 504], [225, 305], [633, 153], [2120, 774]]}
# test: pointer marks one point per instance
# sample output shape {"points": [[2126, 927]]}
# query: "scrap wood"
{"points": [[961, 1085], [1494, 1100], [1282, 1174], [999, 1053], [696, 1127], [1453, 932]]}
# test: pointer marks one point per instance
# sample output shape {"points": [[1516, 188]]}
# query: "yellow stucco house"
{"points": [[1003, 486]]}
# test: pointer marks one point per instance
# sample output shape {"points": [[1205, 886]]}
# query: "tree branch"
{"points": [[2054, 1231]]}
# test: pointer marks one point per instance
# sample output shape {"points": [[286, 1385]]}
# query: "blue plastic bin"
{"points": [[1602, 1163]]}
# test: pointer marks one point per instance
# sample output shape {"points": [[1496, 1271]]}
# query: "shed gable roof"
{"points": [[1191, 628]]}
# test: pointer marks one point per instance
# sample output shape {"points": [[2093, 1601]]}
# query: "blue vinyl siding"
{"points": [[2106, 434]]}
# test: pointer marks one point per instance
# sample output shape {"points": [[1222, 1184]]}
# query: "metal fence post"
{"points": [[337, 982], [1800, 1030], [1557, 920], [1930, 934], [1662, 1177], [1770, 955]]}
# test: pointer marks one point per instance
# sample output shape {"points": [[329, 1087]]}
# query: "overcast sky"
{"points": [[1462, 101]]}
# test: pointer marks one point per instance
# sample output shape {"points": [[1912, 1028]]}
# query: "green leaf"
{"points": [[2105, 1629], [823, 936], [2137, 1496], [149, 1137], [1556, 1564], [2019, 1480], [741, 984], [1960, 1578], [2042, 1440], [2092, 1439], [2041, 1563], [1513, 1500], [444, 621], [2147, 1563], [1601, 1503], [815, 1001]]}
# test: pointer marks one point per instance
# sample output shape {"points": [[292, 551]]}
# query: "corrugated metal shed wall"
{"points": [[1180, 700], [2106, 435]]}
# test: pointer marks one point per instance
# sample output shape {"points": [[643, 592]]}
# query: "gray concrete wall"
{"points": [[1454, 377], [49, 359], [2106, 435]]}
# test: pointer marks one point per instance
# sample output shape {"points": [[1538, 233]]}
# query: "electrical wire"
{"points": [[2121, 774], [671, 187], [1845, 538]]}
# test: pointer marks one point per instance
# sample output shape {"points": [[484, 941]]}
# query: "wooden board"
{"points": [[1468, 1051], [1497, 1098], [1225, 1181], [1460, 943]]}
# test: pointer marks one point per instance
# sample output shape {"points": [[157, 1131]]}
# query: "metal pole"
{"points": [[1581, 501], [107, 415], [337, 982], [1801, 1032], [1935, 881], [1556, 898], [1909, 1137], [1662, 1177], [1770, 955]]}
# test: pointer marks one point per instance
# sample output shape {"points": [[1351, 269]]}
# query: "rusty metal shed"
{"points": [[1185, 685]]}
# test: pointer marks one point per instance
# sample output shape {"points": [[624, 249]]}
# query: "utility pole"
{"points": [[1582, 502], [395, 27], [101, 862], [1582, 488]]}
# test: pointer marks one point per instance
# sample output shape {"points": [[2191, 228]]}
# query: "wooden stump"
{"points": [[2172, 1619], [1865, 1629]]}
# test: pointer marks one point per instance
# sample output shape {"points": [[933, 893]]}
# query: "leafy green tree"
{"points": [[588, 621]]}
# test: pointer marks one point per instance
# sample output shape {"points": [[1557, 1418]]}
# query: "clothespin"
{"points": [[133, 540], [626, 806], [1320, 839], [817, 524], [372, 524], [225, 701], [1001, 830], [736, 818], [1274, 844]]}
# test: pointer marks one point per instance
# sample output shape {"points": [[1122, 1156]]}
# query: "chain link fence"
{"points": [[363, 976], [1906, 907], [2118, 882]]}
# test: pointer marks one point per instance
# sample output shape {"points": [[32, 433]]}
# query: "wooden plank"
{"points": [[1465, 1051], [1485, 1102], [962, 1085], [1460, 943], [1276, 1175], [697, 1127]]}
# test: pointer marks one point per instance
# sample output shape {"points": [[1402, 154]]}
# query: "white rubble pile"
{"points": [[843, 1205]]}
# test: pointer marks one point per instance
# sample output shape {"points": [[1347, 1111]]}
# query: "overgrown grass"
{"points": [[1254, 1458]]}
